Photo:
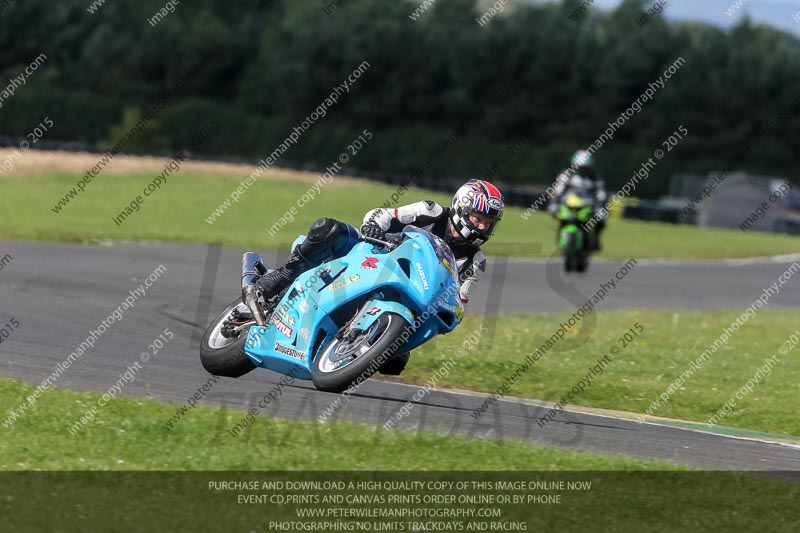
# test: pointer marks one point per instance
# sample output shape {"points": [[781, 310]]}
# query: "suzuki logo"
{"points": [[370, 262]]}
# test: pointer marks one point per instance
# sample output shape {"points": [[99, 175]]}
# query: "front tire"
{"points": [[221, 356], [345, 362], [569, 251], [581, 262]]}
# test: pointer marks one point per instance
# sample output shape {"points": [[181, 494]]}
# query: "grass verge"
{"points": [[128, 434], [641, 371], [179, 209]]}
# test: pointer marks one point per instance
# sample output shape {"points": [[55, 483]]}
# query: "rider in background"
{"points": [[582, 175]]}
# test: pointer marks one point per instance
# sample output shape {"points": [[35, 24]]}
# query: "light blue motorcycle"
{"points": [[341, 322]]}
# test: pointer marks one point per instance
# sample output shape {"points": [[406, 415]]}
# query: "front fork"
{"points": [[348, 328]]}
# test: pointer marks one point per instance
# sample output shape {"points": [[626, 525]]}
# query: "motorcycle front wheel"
{"points": [[358, 354], [568, 250]]}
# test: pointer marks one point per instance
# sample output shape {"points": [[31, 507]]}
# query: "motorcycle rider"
{"points": [[468, 223], [582, 175]]}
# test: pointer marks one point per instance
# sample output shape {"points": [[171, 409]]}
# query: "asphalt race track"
{"points": [[58, 293]]}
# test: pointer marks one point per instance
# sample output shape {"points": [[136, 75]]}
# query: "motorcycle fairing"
{"points": [[301, 325]]}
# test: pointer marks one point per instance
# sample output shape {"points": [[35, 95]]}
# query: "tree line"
{"points": [[274, 62]]}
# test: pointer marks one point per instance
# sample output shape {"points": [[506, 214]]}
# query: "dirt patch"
{"points": [[43, 162]]}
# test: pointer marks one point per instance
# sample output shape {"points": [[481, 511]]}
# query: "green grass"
{"points": [[641, 371], [178, 212], [127, 431], [128, 437]]}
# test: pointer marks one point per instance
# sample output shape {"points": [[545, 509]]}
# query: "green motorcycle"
{"points": [[575, 210]]}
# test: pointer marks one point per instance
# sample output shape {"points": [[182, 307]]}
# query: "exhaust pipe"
{"points": [[252, 268]]}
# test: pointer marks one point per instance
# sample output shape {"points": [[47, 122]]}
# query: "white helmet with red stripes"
{"points": [[476, 209]]}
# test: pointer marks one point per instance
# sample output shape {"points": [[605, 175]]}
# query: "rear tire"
{"points": [[380, 345], [229, 360]]}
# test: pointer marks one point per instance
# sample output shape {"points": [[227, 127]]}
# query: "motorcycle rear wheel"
{"points": [[223, 356]]}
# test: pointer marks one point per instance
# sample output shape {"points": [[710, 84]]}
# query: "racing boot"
{"points": [[273, 283]]}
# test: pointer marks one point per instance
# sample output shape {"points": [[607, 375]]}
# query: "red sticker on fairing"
{"points": [[370, 262]]}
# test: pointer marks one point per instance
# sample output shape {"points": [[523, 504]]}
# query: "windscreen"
{"points": [[442, 250]]}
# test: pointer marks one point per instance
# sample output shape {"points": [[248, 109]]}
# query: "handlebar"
{"points": [[386, 244]]}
